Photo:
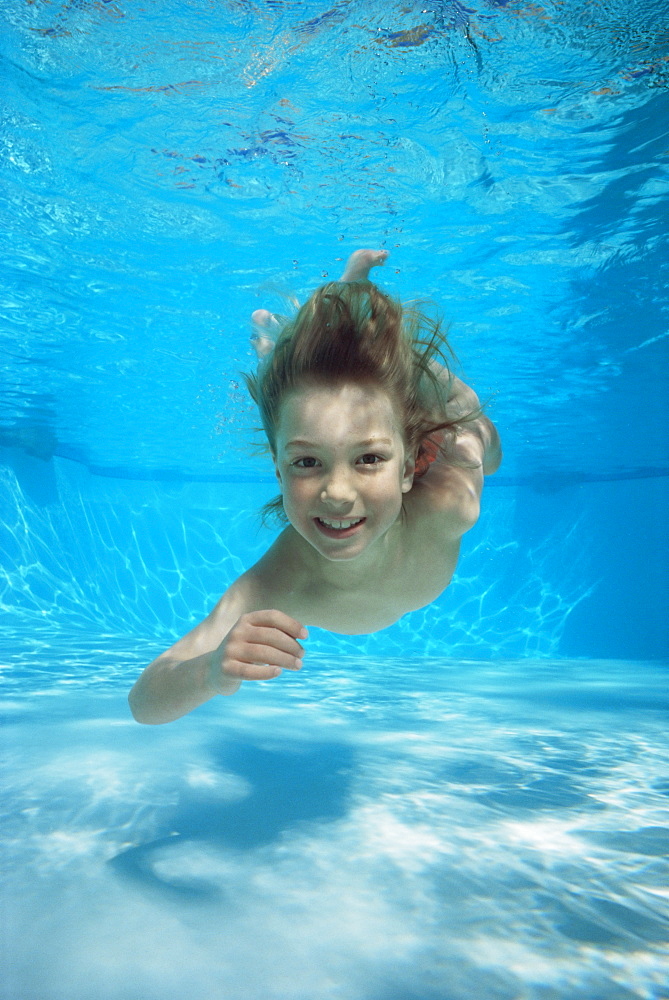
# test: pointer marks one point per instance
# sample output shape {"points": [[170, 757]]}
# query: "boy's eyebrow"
{"points": [[367, 443]]}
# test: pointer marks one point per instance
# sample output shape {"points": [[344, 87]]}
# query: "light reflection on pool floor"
{"points": [[362, 831]]}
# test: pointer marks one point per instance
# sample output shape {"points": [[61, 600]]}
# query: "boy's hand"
{"points": [[257, 648]]}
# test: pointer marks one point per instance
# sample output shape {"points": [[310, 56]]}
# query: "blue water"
{"points": [[472, 803], [384, 829]]}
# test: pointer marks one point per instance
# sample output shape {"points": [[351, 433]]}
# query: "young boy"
{"points": [[379, 452]]}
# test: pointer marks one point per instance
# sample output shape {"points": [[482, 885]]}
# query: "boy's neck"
{"points": [[340, 574]]}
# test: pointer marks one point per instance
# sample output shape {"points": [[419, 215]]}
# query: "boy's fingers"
{"points": [[256, 671], [256, 653], [261, 671], [277, 619], [263, 644], [275, 638]]}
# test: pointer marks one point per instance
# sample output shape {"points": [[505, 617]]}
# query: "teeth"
{"points": [[339, 524]]}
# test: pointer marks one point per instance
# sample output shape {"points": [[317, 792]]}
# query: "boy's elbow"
{"points": [[492, 454], [471, 510], [492, 460], [467, 510], [135, 707], [141, 712]]}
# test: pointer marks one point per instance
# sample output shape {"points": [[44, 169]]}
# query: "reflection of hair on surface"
{"points": [[409, 38]]}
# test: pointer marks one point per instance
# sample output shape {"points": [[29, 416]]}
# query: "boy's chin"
{"points": [[344, 552], [339, 557], [332, 550]]}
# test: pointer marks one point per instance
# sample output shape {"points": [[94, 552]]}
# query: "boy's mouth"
{"points": [[338, 527]]}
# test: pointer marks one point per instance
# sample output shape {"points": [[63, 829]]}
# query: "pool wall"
{"points": [[577, 570]]}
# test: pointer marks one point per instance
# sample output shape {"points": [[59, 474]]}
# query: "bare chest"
{"points": [[375, 601]]}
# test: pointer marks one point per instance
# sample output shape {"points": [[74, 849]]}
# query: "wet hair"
{"points": [[353, 332]]}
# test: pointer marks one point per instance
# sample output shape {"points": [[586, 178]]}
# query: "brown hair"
{"points": [[353, 332]]}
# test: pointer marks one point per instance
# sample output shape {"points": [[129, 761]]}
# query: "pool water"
{"points": [[472, 803], [369, 829]]}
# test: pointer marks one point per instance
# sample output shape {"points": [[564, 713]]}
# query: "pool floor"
{"points": [[363, 831]]}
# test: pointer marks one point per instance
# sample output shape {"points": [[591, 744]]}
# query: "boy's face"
{"points": [[342, 465]]}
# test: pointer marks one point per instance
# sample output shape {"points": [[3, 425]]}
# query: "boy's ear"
{"points": [[276, 470], [408, 474]]}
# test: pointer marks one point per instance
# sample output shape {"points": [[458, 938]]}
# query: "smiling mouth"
{"points": [[338, 527]]}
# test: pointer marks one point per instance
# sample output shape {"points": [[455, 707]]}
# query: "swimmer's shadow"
{"points": [[289, 788]]}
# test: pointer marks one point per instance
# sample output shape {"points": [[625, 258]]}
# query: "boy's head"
{"points": [[352, 333], [349, 332], [341, 461]]}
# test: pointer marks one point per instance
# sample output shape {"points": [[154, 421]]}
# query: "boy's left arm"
{"points": [[477, 439], [452, 485], [485, 431]]}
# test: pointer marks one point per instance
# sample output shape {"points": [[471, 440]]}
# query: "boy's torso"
{"points": [[376, 605], [411, 573]]}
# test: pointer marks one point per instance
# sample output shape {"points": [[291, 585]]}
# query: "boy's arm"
{"points": [[235, 642], [477, 439], [451, 488]]}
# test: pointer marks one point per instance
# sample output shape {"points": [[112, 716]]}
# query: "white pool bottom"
{"points": [[363, 831]]}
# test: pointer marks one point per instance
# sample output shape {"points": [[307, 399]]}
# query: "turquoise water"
{"points": [[472, 803]]}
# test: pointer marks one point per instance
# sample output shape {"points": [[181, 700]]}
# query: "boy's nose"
{"points": [[338, 491]]}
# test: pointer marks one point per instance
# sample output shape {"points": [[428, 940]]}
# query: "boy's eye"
{"points": [[370, 459], [305, 463]]}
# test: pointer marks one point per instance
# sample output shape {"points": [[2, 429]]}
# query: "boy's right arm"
{"points": [[234, 643]]}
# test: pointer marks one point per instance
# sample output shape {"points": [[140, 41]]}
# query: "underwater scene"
{"points": [[472, 802]]}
